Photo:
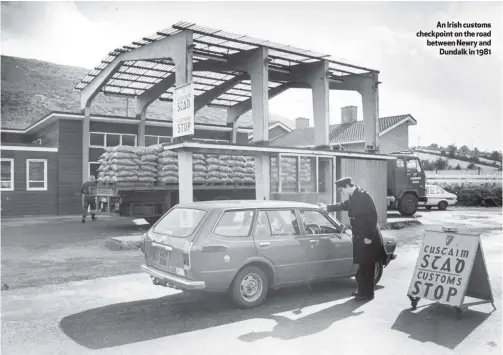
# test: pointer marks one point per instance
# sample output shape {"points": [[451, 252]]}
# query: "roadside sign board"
{"points": [[450, 266], [183, 110]]}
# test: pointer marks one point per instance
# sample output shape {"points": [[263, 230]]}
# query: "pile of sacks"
{"points": [[153, 164], [289, 171], [119, 164], [167, 167]]}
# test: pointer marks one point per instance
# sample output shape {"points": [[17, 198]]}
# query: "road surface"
{"points": [[128, 315]]}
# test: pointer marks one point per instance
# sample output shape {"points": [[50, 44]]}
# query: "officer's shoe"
{"points": [[355, 293], [83, 220]]}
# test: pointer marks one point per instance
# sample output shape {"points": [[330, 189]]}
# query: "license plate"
{"points": [[163, 257]]}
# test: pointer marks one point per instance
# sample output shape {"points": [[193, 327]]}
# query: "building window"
{"points": [[7, 173], [102, 140], [93, 168], [36, 174], [153, 140]]}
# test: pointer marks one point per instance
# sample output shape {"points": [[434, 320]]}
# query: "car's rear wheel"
{"points": [[378, 272], [249, 287], [442, 205]]}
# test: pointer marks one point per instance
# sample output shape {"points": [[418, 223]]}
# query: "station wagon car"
{"points": [[246, 247], [438, 197]]}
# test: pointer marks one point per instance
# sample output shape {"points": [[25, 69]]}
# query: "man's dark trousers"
{"points": [[366, 271]]}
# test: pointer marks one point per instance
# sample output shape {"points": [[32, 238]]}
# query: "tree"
{"points": [[458, 167], [495, 155], [476, 152], [433, 146], [441, 164], [442, 152], [452, 150], [464, 150], [471, 166]]}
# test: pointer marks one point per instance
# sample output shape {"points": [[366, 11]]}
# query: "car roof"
{"points": [[224, 204]]}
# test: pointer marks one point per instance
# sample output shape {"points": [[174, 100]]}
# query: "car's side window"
{"points": [[263, 227], [283, 222], [235, 223], [316, 223]]}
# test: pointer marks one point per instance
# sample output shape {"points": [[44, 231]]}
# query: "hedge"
{"points": [[475, 194]]}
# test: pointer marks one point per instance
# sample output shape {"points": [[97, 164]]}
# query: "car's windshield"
{"points": [[180, 222]]}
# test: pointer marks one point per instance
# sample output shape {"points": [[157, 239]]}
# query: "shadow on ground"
{"points": [[144, 320], [437, 323]]}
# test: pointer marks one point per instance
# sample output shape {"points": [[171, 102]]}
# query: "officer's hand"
{"points": [[368, 241], [322, 206]]}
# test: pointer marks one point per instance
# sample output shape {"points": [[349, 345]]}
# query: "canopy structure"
{"points": [[210, 51], [231, 71]]}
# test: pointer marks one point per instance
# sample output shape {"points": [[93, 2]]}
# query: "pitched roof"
{"points": [[339, 133], [31, 89]]}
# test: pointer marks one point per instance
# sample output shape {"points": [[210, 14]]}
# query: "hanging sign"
{"points": [[183, 110], [450, 266]]}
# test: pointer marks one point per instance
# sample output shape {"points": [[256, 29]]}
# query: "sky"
{"points": [[455, 99]]}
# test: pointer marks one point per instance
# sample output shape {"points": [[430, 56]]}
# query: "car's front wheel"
{"points": [[442, 205], [378, 272], [249, 287]]}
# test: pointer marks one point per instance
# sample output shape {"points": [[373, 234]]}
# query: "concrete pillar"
{"points": [[141, 113], [318, 79], [185, 190], [234, 132], [370, 102], [86, 126], [183, 74], [259, 74]]}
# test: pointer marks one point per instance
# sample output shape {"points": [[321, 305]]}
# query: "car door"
{"points": [[434, 197], [224, 249], [280, 241], [332, 251]]}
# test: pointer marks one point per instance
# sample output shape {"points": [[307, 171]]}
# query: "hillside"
{"points": [[31, 89], [453, 162]]}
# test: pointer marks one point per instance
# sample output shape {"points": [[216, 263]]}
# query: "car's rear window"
{"points": [[180, 222]]}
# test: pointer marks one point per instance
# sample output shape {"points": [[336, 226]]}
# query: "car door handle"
{"points": [[314, 241], [264, 244]]}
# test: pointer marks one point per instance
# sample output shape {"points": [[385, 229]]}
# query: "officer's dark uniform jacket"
{"points": [[362, 214]]}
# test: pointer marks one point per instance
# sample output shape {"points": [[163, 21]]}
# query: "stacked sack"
{"points": [[289, 173], [249, 170], [119, 164], [214, 175], [199, 168], [238, 169], [167, 167], [148, 163], [305, 172]]}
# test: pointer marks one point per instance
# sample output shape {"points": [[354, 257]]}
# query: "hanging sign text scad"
{"points": [[183, 110]]}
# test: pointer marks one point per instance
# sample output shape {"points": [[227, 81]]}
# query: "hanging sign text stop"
{"points": [[183, 110]]}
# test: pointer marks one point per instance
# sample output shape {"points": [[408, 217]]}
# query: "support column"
{"points": [[185, 190], [318, 79], [141, 114], [234, 132], [259, 74], [370, 102], [86, 126], [183, 75]]}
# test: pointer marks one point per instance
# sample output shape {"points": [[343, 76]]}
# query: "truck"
{"points": [[406, 182]]}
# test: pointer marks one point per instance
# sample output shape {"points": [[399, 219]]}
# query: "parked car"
{"points": [[438, 197], [246, 247]]}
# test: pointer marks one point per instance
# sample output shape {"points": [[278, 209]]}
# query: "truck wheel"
{"points": [[442, 205], [249, 287], [408, 205]]}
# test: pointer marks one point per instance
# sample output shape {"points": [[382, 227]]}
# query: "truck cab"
{"points": [[406, 183]]}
